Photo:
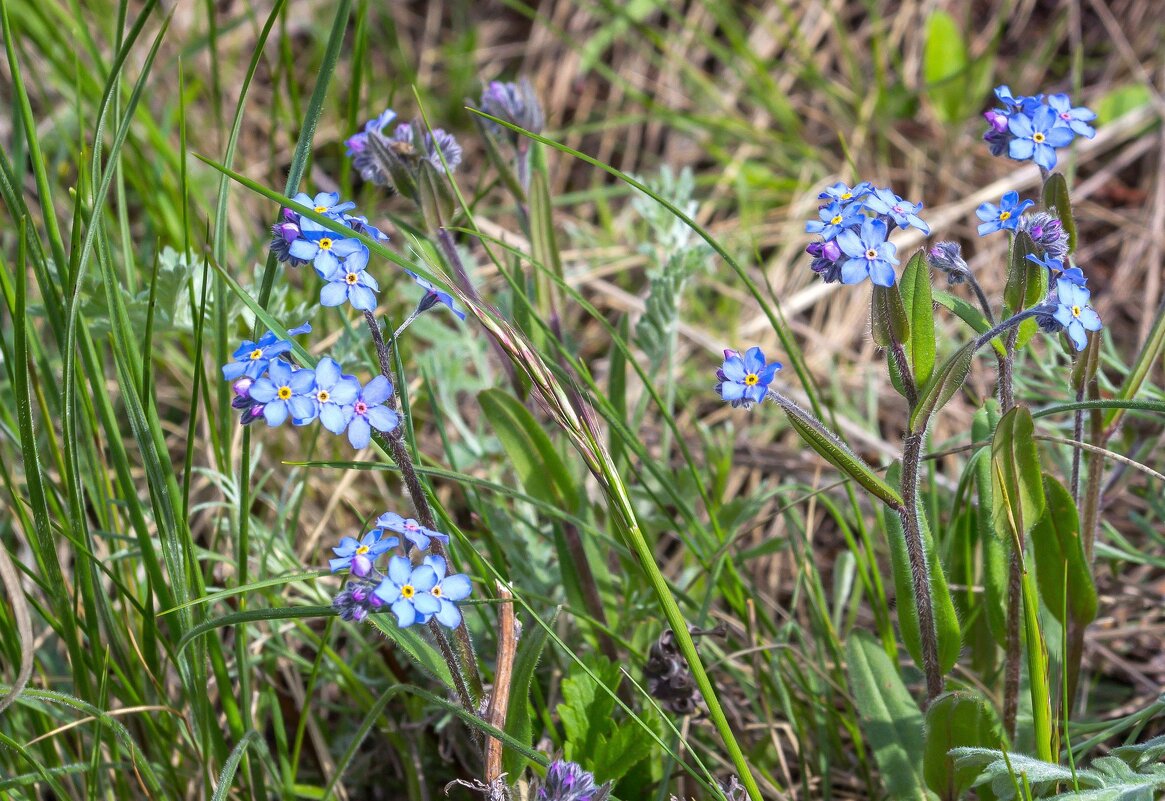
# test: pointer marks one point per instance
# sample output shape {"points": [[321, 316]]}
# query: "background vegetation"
{"points": [[134, 515]]}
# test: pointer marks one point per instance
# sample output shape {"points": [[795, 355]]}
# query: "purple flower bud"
{"points": [[729, 353], [998, 142], [374, 601], [996, 119], [288, 231], [359, 594], [242, 387], [291, 216], [359, 613], [1047, 232]]}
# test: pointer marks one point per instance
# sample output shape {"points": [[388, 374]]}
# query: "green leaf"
{"points": [[1056, 198], [519, 717], [544, 242], [994, 599], [943, 384], [919, 309], [946, 619], [838, 454], [958, 719], [586, 710], [1017, 485], [626, 747], [532, 454], [970, 314], [1121, 100], [890, 718], [888, 321], [1056, 541], [944, 67], [1027, 284]]}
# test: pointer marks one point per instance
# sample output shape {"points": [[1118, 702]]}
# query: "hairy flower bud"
{"points": [[1047, 232], [517, 104], [948, 257]]}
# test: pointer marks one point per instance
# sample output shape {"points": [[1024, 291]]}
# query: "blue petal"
{"points": [[275, 413], [333, 294], [424, 578], [456, 587], [376, 391], [1021, 149], [336, 565], [399, 569], [387, 590], [333, 418], [263, 390], [327, 373], [425, 603], [882, 274], [359, 433], [383, 419], [855, 271], [406, 615], [449, 615], [361, 298]]}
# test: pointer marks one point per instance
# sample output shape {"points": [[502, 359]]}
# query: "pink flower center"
{"points": [[361, 407]]}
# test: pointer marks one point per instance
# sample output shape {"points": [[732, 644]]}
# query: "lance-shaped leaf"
{"points": [[837, 453], [888, 321], [1056, 200], [954, 720], [1017, 486], [538, 464], [946, 619], [942, 386], [994, 599], [919, 306], [1027, 284], [1059, 550], [891, 720]]}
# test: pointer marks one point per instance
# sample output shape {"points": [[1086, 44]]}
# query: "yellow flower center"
{"points": [[835, 220], [323, 395], [284, 393], [257, 353], [1076, 311], [321, 209], [1038, 137], [351, 278], [751, 380], [847, 195], [1004, 216], [325, 244], [436, 591], [363, 549], [407, 591]]}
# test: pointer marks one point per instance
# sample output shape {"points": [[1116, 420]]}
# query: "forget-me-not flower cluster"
{"points": [[415, 587], [855, 224], [1033, 128]]}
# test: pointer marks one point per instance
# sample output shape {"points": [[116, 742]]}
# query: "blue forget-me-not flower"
{"points": [[448, 590], [334, 393], [410, 529], [743, 380], [349, 281], [1037, 137], [406, 590], [1005, 216], [835, 218], [286, 392], [433, 296], [1073, 312], [359, 556], [870, 255], [902, 212], [252, 358], [368, 411]]}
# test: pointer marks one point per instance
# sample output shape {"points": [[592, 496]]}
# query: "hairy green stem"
{"points": [[467, 666], [919, 565], [982, 297]]}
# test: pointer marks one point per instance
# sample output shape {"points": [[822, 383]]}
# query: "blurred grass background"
{"points": [[136, 473]]}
